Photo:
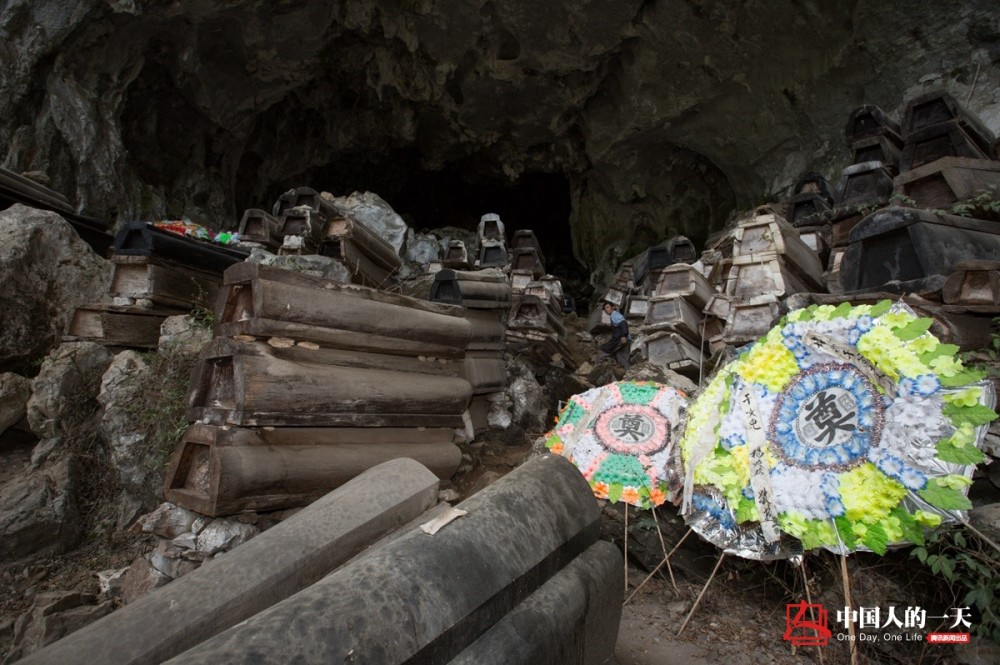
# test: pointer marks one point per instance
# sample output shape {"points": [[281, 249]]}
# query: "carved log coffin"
{"points": [[217, 471], [261, 390]]}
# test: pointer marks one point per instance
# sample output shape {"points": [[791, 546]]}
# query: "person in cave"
{"points": [[620, 342]]}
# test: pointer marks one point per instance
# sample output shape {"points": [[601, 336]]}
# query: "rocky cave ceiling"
{"points": [[615, 122]]}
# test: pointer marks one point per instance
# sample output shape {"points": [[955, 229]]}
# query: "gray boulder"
{"points": [[38, 512], [63, 392], [46, 272], [54, 615], [372, 211], [183, 335], [15, 390]]}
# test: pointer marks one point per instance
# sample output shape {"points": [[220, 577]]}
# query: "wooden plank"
{"points": [[381, 253], [948, 139], [363, 269], [224, 480], [118, 326], [340, 309]]}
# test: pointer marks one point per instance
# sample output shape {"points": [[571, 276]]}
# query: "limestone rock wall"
{"points": [[663, 115]]}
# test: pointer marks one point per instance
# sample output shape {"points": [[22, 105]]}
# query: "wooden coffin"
{"points": [[377, 250], [532, 312], [526, 239], [304, 222], [868, 183], [554, 285], [491, 229], [834, 263], [937, 109], [749, 321], [719, 306], [476, 289], [342, 316], [749, 278], [803, 206], [946, 181], [519, 280], [258, 226], [684, 281], [135, 327], [674, 314], [485, 372], [637, 308], [538, 288], [163, 284], [306, 352], [869, 120], [364, 271], [15, 188], [815, 184], [217, 471], [769, 235], [598, 322], [616, 296], [479, 412], [877, 149], [263, 390], [975, 284], [816, 238], [841, 225], [488, 329], [527, 258], [456, 256], [910, 250], [674, 352], [142, 239], [492, 254], [948, 139]]}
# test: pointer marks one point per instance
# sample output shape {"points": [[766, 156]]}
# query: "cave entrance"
{"points": [[458, 195]]}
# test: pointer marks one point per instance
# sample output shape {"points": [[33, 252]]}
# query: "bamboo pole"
{"points": [[697, 601]]}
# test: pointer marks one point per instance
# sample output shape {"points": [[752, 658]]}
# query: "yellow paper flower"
{"points": [[771, 364], [924, 344], [926, 518], [867, 494], [896, 319], [967, 397], [946, 366]]}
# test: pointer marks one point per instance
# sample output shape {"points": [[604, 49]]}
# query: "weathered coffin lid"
{"points": [[863, 167], [890, 219], [875, 122], [951, 109], [812, 178]]}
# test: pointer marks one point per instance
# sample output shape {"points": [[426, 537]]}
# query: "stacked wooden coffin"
{"points": [[675, 326], [534, 323], [948, 159], [310, 223], [484, 297], [769, 262], [491, 243], [156, 274], [308, 382]]}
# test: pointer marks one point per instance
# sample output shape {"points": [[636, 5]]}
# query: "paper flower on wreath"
{"points": [[621, 436], [847, 427]]}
